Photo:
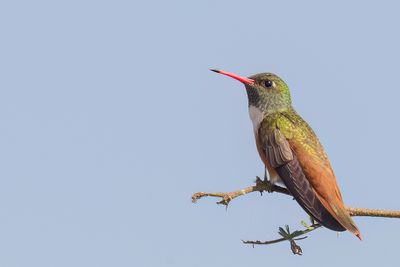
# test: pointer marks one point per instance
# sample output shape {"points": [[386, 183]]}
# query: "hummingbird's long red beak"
{"points": [[234, 76]]}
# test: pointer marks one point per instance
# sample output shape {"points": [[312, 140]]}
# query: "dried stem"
{"points": [[226, 197], [373, 212], [267, 186]]}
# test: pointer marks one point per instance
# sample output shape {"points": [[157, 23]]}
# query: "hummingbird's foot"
{"points": [[266, 175], [264, 185]]}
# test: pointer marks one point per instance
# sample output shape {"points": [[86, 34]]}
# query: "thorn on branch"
{"points": [[226, 199]]}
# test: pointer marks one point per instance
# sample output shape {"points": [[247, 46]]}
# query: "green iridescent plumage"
{"points": [[295, 128]]}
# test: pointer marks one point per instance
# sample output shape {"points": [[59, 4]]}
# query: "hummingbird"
{"points": [[292, 153]]}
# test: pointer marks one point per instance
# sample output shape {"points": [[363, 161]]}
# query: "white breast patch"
{"points": [[256, 116]]}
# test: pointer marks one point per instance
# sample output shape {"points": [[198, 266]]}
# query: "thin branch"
{"points": [[226, 197], [373, 212], [266, 185]]}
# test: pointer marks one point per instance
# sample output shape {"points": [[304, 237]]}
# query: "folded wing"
{"points": [[284, 160]]}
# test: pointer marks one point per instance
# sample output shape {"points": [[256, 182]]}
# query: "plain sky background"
{"points": [[110, 120]]}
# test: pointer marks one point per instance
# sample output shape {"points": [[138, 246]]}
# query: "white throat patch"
{"points": [[256, 116]]}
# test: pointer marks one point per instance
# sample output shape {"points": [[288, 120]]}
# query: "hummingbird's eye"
{"points": [[268, 83]]}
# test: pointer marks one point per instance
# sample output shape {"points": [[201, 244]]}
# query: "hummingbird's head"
{"points": [[265, 91]]}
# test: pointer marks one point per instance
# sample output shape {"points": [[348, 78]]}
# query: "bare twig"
{"points": [[226, 197], [267, 186], [373, 212]]}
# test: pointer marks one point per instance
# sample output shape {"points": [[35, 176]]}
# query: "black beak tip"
{"points": [[215, 70]]}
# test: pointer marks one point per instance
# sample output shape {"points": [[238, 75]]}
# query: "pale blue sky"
{"points": [[110, 120]]}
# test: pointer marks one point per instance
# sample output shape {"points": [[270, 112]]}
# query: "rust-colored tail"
{"points": [[296, 182], [339, 212]]}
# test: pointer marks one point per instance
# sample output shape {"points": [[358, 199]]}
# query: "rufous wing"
{"points": [[319, 174], [311, 182], [285, 162]]}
